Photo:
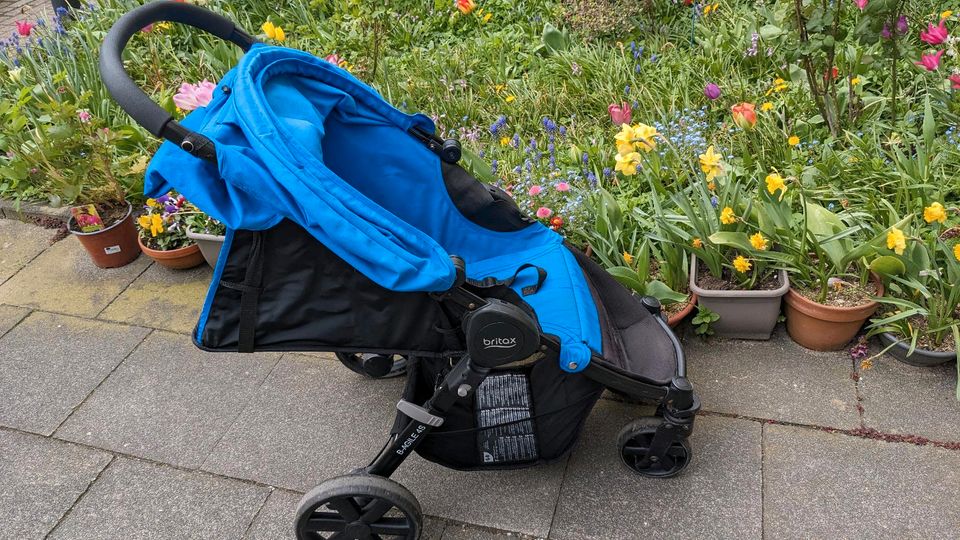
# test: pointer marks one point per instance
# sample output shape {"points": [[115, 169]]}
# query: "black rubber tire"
{"points": [[354, 362], [366, 498], [636, 436]]}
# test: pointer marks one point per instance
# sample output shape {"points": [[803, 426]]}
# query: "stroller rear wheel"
{"points": [[634, 442], [358, 507], [374, 366]]}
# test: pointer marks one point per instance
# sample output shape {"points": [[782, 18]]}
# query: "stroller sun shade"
{"points": [[301, 140], [268, 117]]}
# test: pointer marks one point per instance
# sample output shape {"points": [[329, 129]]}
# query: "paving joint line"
{"points": [[256, 514], [35, 257], [763, 459], [80, 498], [859, 433], [556, 505], [19, 321], [114, 299], [103, 380]]}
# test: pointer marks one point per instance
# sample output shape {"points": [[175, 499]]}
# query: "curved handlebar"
{"points": [[135, 101]]}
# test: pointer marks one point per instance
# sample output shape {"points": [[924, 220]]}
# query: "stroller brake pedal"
{"points": [[419, 414]]}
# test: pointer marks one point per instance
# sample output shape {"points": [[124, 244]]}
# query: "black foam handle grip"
{"points": [[129, 96]]}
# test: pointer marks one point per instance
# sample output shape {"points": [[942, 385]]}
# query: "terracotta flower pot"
{"points": [[743, 314], [679, 316], [177, 259], [825, 328], [111, 247], [919, 357]]}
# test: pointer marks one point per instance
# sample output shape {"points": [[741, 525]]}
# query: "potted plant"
{"points": [[921, 323], [735, 270], [77, 159], [163, 232], [627, 256], [209, 234]]}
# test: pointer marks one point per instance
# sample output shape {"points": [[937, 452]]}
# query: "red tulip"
{"points": [[466, 6], [934, 35], [620, 114], [930, 61], [955, 80], [24, 28]]}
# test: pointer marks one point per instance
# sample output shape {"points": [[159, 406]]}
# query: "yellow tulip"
{"points": [[896, 241], [727, 217], [935, 212], [956, 251], [776, 182], [758, 242], [741, 264], [711, 164]]}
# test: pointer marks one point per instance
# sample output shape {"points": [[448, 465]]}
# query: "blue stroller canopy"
{"points": [[299, 138]]}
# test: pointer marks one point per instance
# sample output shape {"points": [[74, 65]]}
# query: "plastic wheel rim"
{"points": [[355, 518], [352, 362], [634, 450]]}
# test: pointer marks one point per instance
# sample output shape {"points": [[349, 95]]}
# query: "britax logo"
{"points": [[500, 343]]}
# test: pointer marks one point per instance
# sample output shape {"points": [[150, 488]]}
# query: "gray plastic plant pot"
{"points": [[743, 314], [919, 358], [210, 245]]}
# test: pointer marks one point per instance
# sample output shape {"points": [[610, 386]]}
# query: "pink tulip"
{"points": [[620, 114], [862, 4], [712, 91], [333, 59], [544, 212], [930, 61], [934, 35], [955, 81], [24, 28], [534, 191], [192, 96], [563, 186]]}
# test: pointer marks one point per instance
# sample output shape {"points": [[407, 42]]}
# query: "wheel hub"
{"points": [[357, 530]]}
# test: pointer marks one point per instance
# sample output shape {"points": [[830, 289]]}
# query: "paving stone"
{"points": [[64, 280], [40, 479], [138, 500], [717, 496], [823, 485], [169, 401], [313, 419], [19, 244], [10, 316], [775, 379], [50, 363], [459, 531], [163, 298], [903, 399]]}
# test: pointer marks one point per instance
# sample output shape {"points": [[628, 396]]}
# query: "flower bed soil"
{"points": [[708, 281], [845, 297]]}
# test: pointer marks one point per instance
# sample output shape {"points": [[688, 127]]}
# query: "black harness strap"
{"points": [[250, 291], [526, 291]]}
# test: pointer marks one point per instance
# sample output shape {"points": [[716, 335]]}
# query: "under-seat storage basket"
{"points": [[515, 418]]}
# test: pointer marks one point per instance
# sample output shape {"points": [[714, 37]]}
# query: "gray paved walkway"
{"points": [[114, 426], [18, 10]]}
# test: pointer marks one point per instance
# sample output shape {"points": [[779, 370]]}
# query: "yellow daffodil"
{"points": [[504, 141], [15, 74], [486, 18], [273, 31], [766, 107], [627, 163], [711, 164], [727, 217], [855, 81], [627, 258], [624, 139], [776, 182], [697, 243], [793, 140], [741, 264], [758, 242], [935, 212], [946, 14], [896, 241], [956, 252], [644, 136], [509, 99]]}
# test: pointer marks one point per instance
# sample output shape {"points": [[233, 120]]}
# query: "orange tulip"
{"points": [[466, 6], [744, 115]]}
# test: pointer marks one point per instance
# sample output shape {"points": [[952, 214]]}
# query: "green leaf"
{"points": [[480, 168], [888, 265], [929, 123], [662, 292], [770, 31], [628, 278]]}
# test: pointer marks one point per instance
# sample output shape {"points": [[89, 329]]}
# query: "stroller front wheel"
{"points": [[374, 366], [358, 507], [635, 440]]}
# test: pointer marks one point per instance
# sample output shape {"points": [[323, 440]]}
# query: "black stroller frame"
{"points": [[365, 503]]}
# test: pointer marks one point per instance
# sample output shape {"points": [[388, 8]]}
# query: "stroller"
{"points": [[351, 229]]}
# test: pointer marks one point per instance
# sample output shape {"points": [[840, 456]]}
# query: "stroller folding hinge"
{"points": [[418, 413]]}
